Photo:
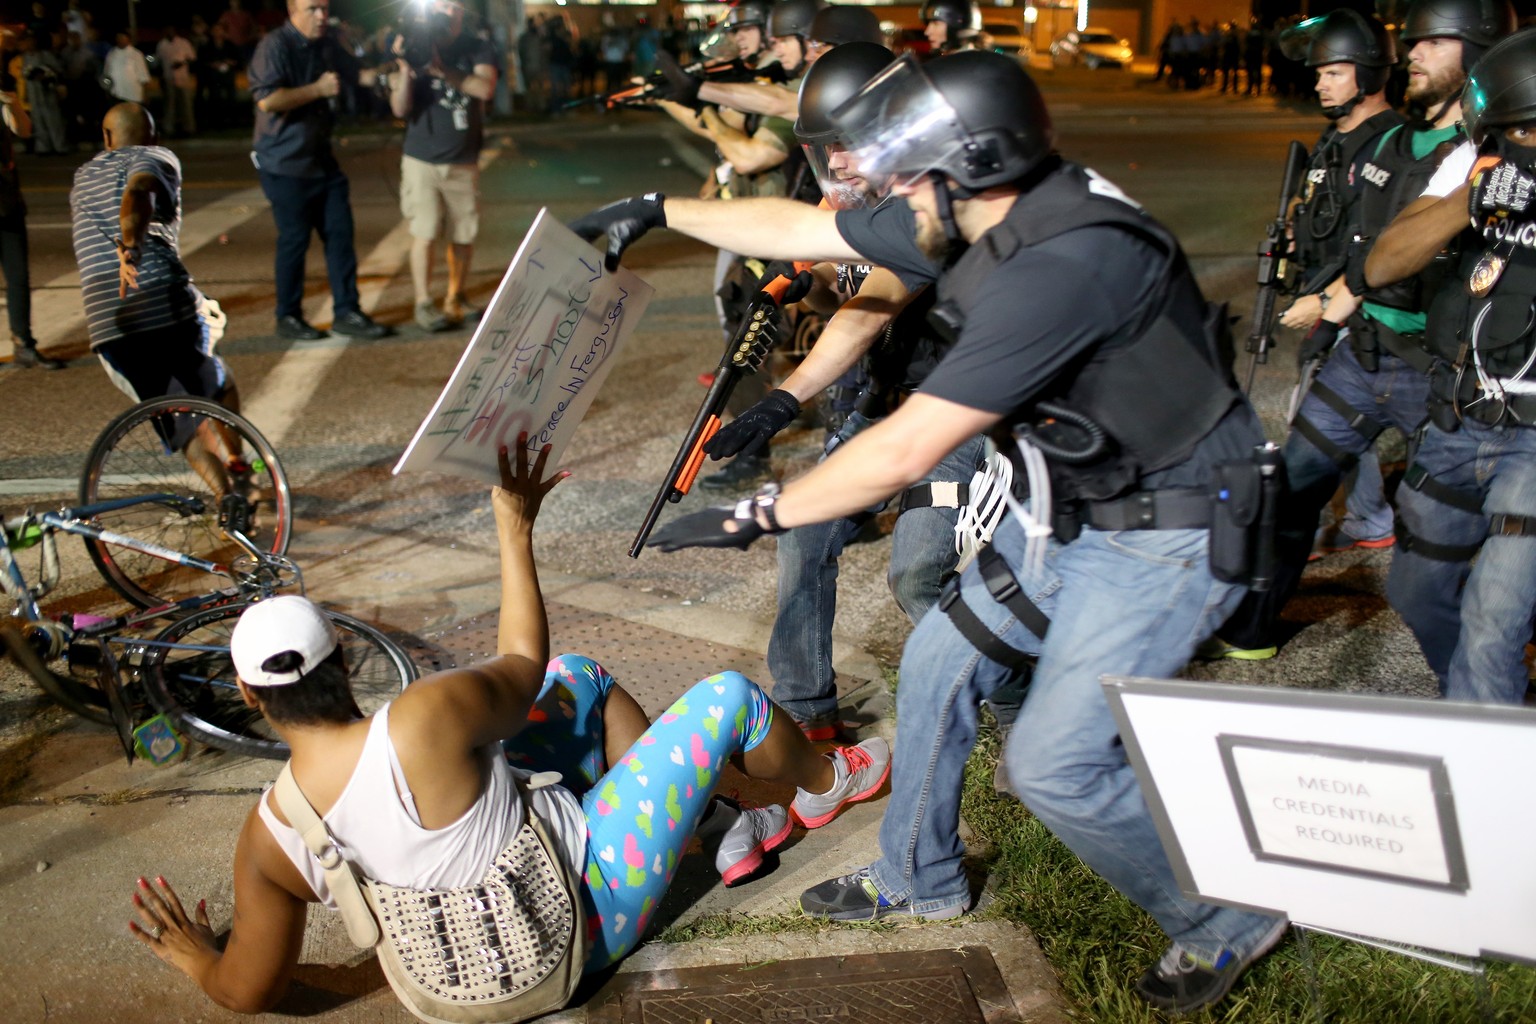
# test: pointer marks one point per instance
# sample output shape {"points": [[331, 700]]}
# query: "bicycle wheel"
{"points": [[188, 447], [82, 698], [196, 688]]}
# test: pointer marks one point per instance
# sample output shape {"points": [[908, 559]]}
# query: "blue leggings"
{"points": [[642, 812]]}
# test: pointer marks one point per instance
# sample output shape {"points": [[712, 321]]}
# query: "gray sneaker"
{"points": [[860, 771], [756, 831]]}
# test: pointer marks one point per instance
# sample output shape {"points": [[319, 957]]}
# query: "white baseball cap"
{"points": [[278, 625]]}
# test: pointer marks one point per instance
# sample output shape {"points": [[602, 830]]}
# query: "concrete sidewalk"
{"points": [[80, 826]]}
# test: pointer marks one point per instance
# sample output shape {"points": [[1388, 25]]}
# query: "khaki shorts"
{"points": [[428, 190]]}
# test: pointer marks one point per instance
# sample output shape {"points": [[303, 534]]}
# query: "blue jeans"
{"points": [[1124, 603], [1367, 516], [1393, 396], [922, 559], [1472, 621], [300, 206]]}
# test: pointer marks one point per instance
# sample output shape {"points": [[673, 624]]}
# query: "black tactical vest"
{"points": [[1156, 387], [1387, 180], [1498, 324], [1321, 218]]}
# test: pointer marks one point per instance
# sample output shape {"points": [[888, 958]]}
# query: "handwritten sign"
{"points": [[537, 359], [1369, 812]]}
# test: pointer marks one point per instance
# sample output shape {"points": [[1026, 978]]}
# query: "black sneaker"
{"points": [[743, 471], [27, 356], [855, 898], [1181, 982], [358, 324], [296, 328]]}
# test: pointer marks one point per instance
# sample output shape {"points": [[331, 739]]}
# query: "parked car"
{"points": [[1008, 37], [1092, 48]]}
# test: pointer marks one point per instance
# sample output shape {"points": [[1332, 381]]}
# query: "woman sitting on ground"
{"points": [[421, 795]]}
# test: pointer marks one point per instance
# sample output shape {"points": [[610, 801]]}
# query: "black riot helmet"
{"points": [[745, 13], [793, 18], [959, 15], [1344, 37], [831, 82], [1477, 23], [975, 116], [1500, 93], [834, 79], [834, 26]]}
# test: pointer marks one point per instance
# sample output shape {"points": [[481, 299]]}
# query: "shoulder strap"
{"points": [[362, 927]]}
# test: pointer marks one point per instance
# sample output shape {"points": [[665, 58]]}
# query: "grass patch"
{"points": [[726, 925], [1098, 942]]}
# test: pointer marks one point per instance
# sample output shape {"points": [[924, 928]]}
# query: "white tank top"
{"points": [[375, 824]]}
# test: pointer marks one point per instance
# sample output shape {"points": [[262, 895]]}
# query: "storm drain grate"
{"points": [[948, 986]]}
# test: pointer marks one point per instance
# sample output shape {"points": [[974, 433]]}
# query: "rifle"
{"points": [[744, 354], [655, 84], [1273, 263]]}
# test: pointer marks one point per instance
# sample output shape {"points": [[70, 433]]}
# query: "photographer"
{"points": [[175, 55], [445, 76]]}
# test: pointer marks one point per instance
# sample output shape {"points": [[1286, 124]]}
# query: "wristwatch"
{"points": [[764, 500]]}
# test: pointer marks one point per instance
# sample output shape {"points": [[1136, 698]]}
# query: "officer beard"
{"points": [[1437, 90], [930, 238]]}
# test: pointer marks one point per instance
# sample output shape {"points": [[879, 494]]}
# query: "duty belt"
{"points": [[1184, 509]]}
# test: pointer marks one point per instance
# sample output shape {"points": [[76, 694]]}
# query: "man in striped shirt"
{"points": [[141, 308]]}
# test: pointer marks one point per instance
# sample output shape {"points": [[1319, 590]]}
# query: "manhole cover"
{"points": [[948, 986]]}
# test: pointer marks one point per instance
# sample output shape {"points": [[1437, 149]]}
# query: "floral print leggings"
{"points": [[642, 812]]}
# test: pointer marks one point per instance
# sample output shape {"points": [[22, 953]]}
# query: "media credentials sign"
{"points": [[537, 359], [1369, 812]]}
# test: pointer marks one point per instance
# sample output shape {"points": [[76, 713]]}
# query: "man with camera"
{"points": [[295, 76], [445, 77]]}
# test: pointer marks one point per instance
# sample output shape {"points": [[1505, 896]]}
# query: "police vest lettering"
{"points": [[1511, 232], [1122, 384], [1378, 176]]}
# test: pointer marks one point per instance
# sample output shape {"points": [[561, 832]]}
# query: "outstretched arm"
{"points": [[1415, 236]]}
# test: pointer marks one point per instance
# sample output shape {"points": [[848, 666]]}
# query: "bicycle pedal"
{"points": [[234, 514]]}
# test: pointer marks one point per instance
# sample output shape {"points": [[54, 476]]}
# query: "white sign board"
{"points": [[1385, 817], [537, 359]]}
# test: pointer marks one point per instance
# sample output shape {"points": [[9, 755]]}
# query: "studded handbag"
{"points": [[507, 949]]}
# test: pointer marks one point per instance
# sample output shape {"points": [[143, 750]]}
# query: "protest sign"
{"points": [[537, 359]]}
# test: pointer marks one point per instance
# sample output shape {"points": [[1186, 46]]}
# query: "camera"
{"points": [[422, 27]]}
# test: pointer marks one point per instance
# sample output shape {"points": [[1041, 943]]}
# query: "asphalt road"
{"points": [[341, 413]]}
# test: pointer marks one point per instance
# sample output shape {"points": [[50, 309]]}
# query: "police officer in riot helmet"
{"points": [[836, 25], [789, 29], [945, 20], [1374, 377], [1470, 490], [1352, 56], [1068, 322], [746, 23]]}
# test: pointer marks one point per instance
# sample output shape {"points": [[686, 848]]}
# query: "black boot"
{"points": [[25, 356], [744, 471]]}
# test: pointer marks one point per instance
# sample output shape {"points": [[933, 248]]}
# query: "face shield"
{"points": [[719, 45], [899, 127], [1296, 41], [842, 180]]}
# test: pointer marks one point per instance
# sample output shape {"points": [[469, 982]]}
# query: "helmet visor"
{"points": [[899, 126], [843, 182], [720, 44], [1296, 41]]}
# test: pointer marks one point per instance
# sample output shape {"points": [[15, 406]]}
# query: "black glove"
{"points": [[706, 529], [750, 432], [1502, 189], [624, 222], [677, 85], [1318, 342], [799, 286]]}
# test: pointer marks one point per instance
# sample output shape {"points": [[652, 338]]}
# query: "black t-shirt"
{"points": [[1045, 306], [446, 126]]}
